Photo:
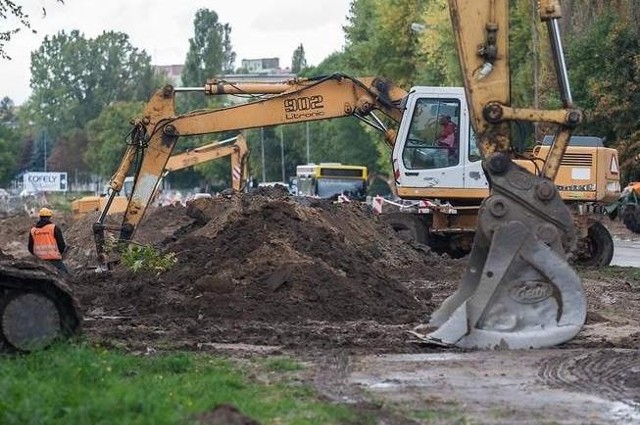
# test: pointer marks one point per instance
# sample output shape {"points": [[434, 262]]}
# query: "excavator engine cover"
{"points": [[36, 307], [518, 291]]}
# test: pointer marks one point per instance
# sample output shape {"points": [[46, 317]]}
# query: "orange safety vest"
{"points": [[44, 242]]}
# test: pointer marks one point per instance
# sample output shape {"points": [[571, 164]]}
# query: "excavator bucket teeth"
{"points": [[518, 291]]}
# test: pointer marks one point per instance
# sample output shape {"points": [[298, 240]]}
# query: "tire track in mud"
{"points": [[611, 374], [331, 379]]}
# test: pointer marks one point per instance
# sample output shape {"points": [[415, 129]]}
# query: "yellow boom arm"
{"points": [[518, 290], [156, 133], [236, 148]]}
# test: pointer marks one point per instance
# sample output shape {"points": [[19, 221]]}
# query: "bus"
{"points": [[330, 180]]}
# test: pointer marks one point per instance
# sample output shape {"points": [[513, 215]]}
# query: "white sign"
{"points": [[45, 182]]}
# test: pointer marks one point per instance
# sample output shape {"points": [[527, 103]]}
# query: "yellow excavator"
{"points": [[235, 147], [519, 290]]}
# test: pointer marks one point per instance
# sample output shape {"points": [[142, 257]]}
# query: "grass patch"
{"points": [[629, 274], [79, 384], [282, 364]]}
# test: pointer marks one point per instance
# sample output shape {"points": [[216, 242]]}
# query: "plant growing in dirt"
{"points": [[141, 258]]}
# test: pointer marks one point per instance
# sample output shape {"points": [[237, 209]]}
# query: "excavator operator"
{"points": [[447, 137]]}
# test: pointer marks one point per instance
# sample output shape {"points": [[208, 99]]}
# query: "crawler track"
{"points": [[36, 307]]}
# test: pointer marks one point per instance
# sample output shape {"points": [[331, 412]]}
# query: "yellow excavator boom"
{"points": [[518, 290], [235, 147]]}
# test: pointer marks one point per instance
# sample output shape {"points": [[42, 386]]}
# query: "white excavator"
{"points": [[519, 290]]}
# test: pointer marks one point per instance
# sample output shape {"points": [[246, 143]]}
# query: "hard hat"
{"points": [[45, 212]]}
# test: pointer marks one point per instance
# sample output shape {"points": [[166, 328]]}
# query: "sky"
{"points": [[259, 29]]}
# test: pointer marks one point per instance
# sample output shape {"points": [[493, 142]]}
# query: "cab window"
{"points": [[433, 137], [474, 150]]}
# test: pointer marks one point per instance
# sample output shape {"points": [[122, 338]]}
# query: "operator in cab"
{"points": [[46, 240], [447, 138], [448, 132]]}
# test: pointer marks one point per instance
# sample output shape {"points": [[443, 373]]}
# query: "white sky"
{"points": [[259, 29]]}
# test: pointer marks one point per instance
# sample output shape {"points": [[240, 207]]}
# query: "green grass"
{"points": [[282, 364], [629, 274], [78, 384]]}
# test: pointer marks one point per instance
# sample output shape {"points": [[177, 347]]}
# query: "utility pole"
{"points": [[44, 141], [308, 161], [282, 151], [536, 71], [264, 173]]}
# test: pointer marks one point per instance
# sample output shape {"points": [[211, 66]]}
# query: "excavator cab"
{"points": [[437, 145]]}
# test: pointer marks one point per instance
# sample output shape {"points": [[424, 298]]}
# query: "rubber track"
{"points": [[610, 374]]}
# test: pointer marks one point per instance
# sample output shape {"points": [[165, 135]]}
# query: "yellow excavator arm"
{"points": [[235, 147], [155, 135], [518, 290]]}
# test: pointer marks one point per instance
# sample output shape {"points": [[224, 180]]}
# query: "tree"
{"points": [[10, 147], [73, 78], [605, 71], [64, 156], [107, 136], [298, 61], [9, 8], [209, 55], [7, 111], [380, 40]]}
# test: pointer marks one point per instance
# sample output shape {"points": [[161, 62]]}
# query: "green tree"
{"points": [[605, 76], [380, 40], [73, 78], [107, 136], [336, 62], [64, 156], [209, 55], [298, 61], [7, 111], [10, 148]]}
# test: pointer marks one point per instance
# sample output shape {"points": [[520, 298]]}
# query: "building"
{"points": [[172, 72], [253, 70], [261, 66]]}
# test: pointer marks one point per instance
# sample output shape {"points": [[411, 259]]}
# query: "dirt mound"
{"points": [[264, 258], [265, 268]]}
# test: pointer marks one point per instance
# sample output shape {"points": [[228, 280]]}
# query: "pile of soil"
{"points": [[267, 269], [262, 268]]}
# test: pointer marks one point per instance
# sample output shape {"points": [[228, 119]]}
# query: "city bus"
{"points": [[330, 180]]}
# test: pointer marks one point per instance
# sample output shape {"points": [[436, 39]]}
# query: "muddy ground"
{"points": [[334, 286]]}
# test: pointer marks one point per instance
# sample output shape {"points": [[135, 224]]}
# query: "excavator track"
{"points": [[36, 307]]}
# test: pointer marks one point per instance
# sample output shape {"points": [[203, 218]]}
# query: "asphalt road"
{"points": [[626, 253]]}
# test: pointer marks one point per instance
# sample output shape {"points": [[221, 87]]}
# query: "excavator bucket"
{"points": [[518, 291]]}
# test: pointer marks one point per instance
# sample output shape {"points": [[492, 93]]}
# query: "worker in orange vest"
{"points": [[46, 241]]}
